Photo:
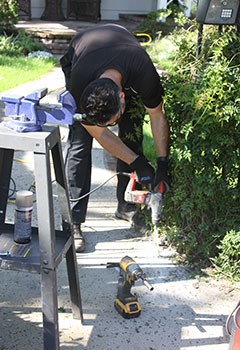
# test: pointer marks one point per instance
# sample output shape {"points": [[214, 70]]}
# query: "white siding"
{"points": [[110, 9], [39, 5]]}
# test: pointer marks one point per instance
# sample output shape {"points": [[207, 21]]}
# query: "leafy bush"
{"points": [[20, 44], [228, 260], [162, 22], [202, 105], [8, 14]]}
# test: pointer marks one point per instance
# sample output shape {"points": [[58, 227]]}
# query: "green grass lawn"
{"points": [[15, 71]]}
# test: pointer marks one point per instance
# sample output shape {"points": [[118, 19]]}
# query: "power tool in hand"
{"points": [[126, 303], [153, 200]]}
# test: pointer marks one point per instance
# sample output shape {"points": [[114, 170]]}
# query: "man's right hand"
{"points": [[144, 171]]}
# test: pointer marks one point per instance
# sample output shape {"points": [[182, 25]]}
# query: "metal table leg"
{"points": [[50, 309], [6, 160], [66, 217]]}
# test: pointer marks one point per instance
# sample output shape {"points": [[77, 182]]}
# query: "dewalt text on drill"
{"points": [[126, 303]]}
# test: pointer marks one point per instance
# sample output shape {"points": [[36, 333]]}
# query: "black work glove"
{"points": [[162, 173], [145, 172]]}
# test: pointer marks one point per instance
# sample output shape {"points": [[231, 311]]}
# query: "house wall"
{"points": [[110, 9]]}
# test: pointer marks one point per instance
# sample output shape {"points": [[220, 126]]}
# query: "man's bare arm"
{"points": [[112, 143], [160, 129]]}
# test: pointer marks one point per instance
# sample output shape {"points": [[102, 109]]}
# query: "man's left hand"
{"points": [[162, 173]]}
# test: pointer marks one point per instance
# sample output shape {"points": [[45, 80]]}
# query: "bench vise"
{"points": [[27, 114]]}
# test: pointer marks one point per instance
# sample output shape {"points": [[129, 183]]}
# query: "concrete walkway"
{"points": [[181, 313]]}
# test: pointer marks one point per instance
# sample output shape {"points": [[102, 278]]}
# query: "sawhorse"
{"points": [[48, 246]]}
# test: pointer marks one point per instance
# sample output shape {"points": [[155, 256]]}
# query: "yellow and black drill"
{"points": [[126, 303]]}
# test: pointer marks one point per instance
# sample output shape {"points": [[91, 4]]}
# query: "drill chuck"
{"points": [[156, 205], [147, 284]]}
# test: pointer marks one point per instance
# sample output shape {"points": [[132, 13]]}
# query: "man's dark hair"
{"points": [[100, 101]]}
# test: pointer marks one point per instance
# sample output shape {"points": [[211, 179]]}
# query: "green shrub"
{"points": [[160, 22], [8, 14], [202, 105], [228, 260], [20, 44]]}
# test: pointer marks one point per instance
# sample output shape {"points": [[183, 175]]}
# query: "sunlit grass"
{"points": [[161, 52], [15, 71]]}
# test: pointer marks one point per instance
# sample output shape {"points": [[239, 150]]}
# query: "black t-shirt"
{"points": [[111, 46]]}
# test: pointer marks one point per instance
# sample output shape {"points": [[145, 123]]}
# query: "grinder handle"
{"points": [[132, 181], [161, 187]]}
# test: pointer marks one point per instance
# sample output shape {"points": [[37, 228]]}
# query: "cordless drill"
{"points": [[126, 303]]}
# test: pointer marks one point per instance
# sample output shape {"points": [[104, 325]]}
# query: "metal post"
{"points": [[199, 41]]}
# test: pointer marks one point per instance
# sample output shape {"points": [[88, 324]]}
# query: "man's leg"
{"points": [[78, 164], [131, 133]]}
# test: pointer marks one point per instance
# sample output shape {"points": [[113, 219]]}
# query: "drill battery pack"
{"points": [[128, 308]]}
